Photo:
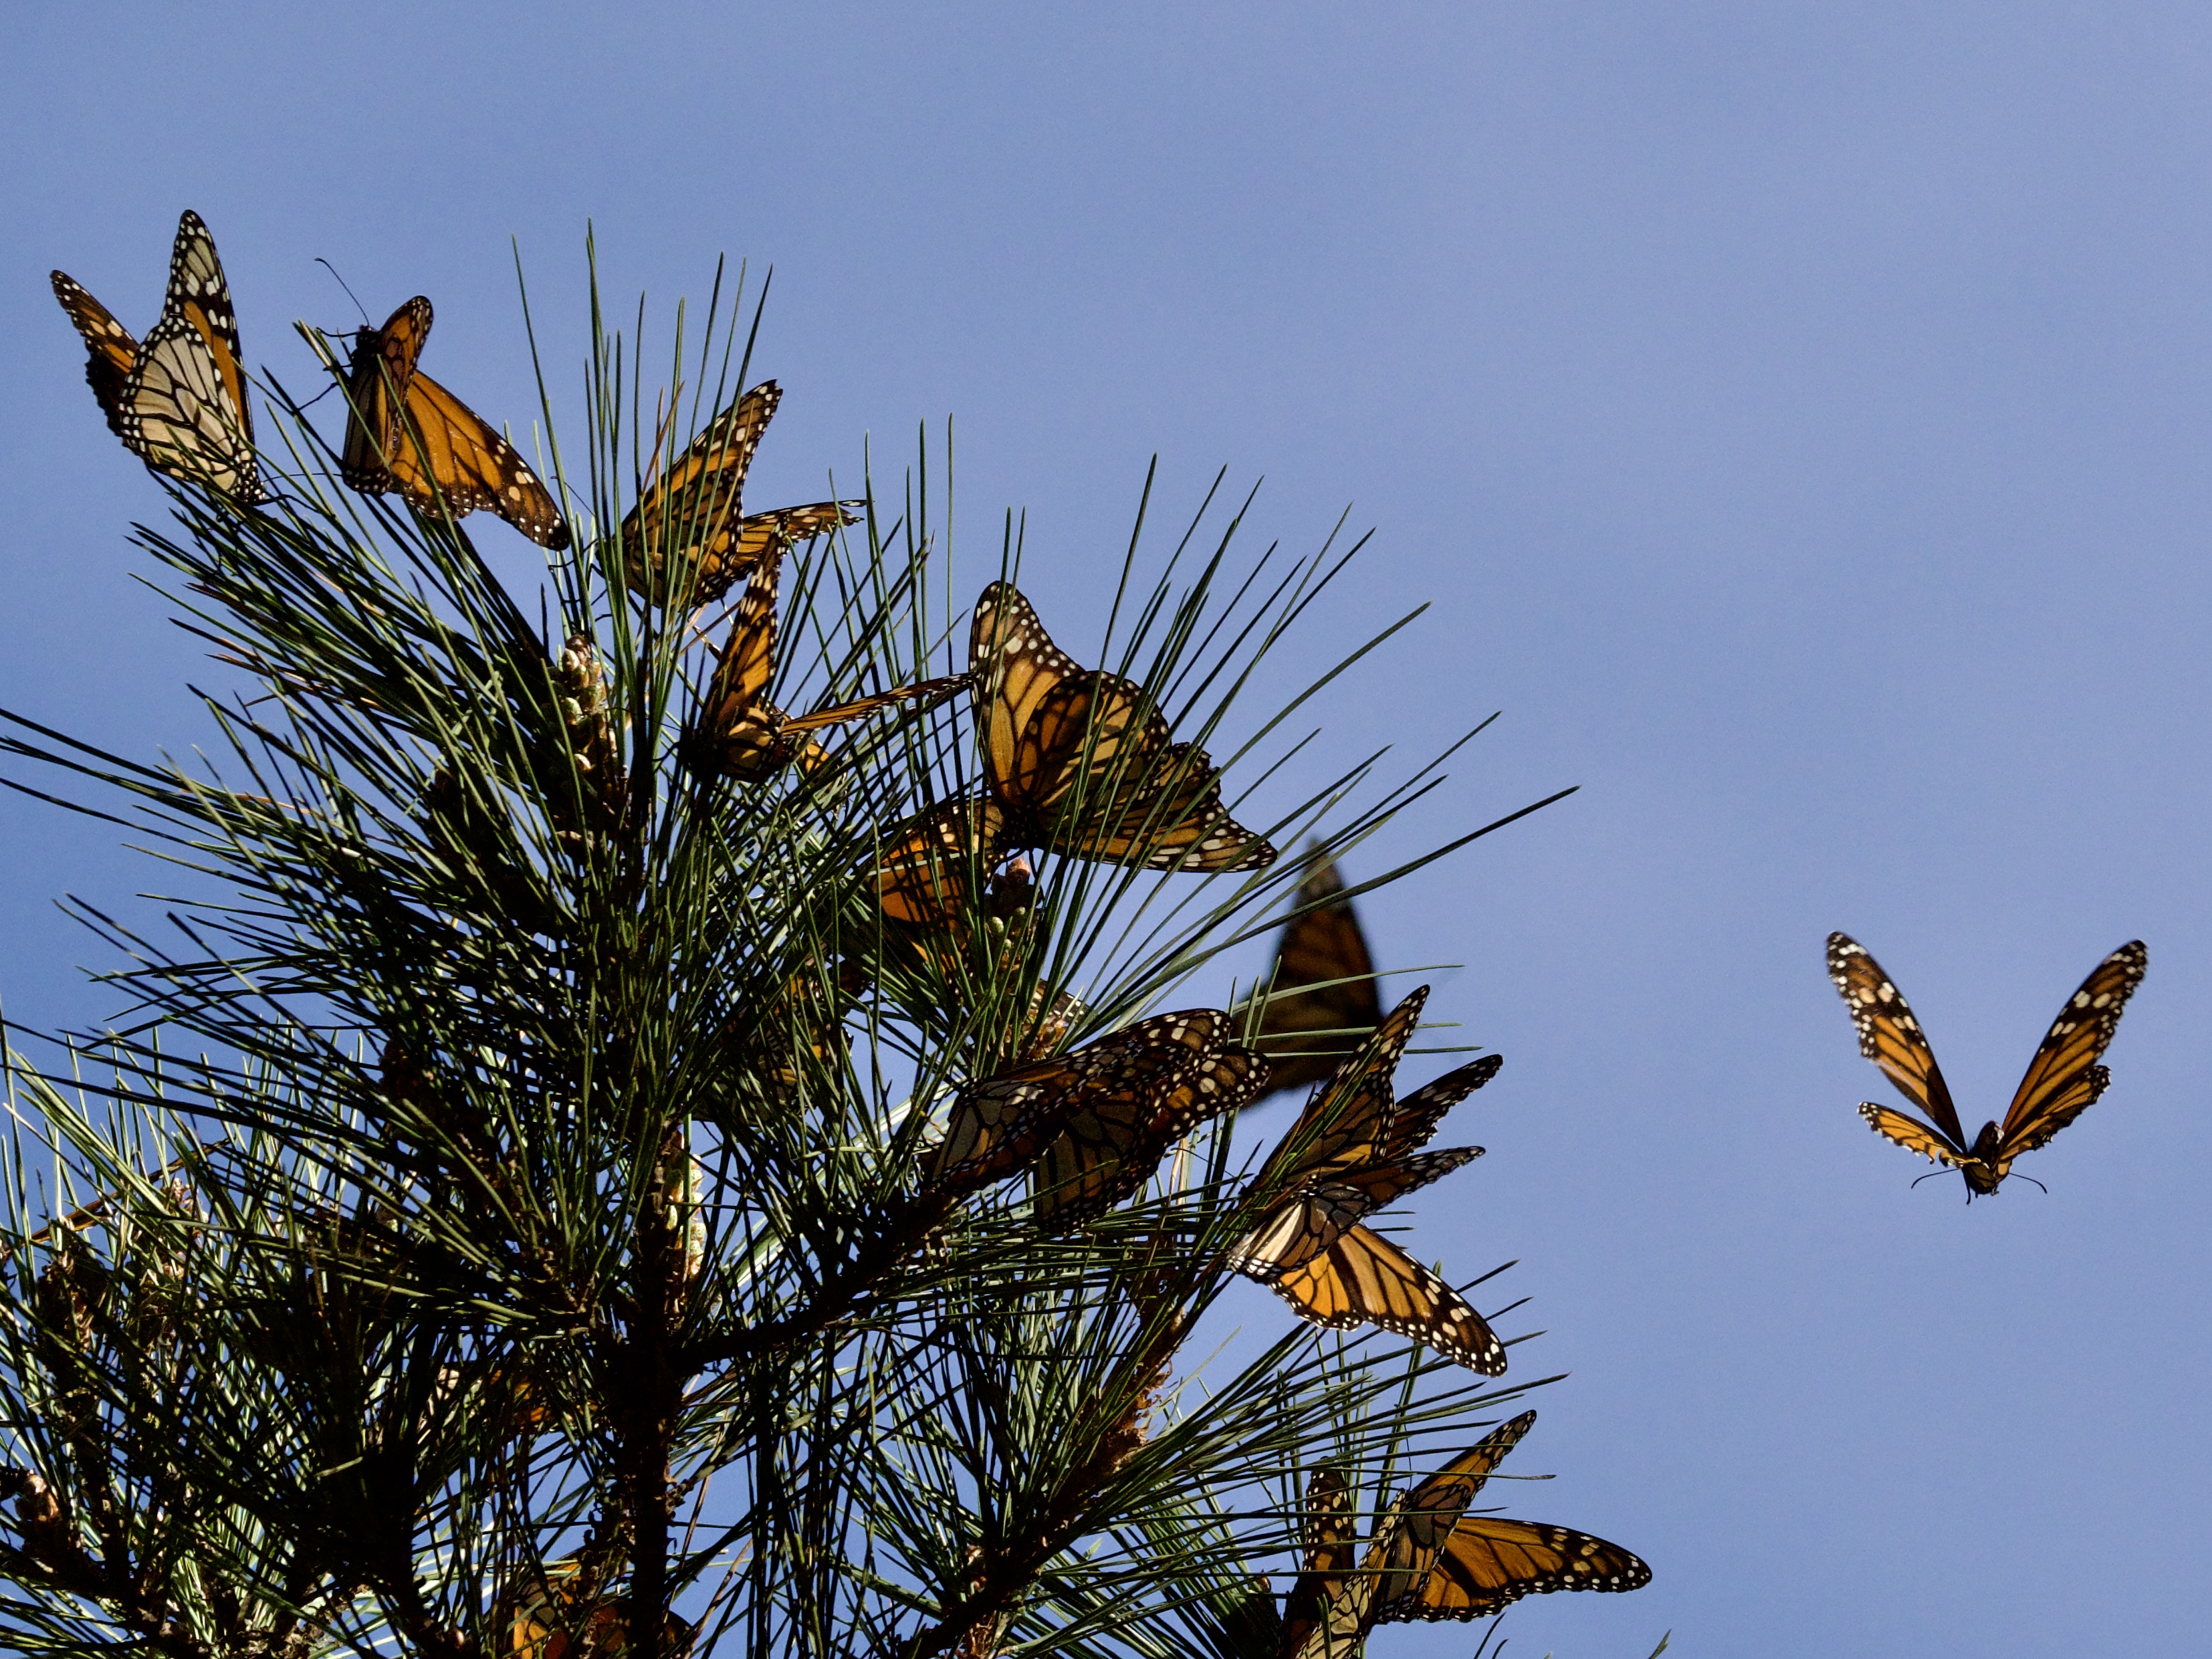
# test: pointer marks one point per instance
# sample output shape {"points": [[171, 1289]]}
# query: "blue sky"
{"points": [[1797, 419]]}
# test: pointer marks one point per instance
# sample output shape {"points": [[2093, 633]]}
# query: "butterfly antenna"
{"points": [[1943, 1170], [2045, 1190], [365, 319]]}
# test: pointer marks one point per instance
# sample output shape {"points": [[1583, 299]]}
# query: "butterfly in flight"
{"points": [[688, 536], [740, 734], [409, 435], [1353, 1150], [2063, 1079], [179, 401], [1000, 1125], [1077, 761], [1304, 1031]]}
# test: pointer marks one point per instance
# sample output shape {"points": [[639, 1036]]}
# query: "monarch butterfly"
{"points": [[686, 534], [178, 401], [1353, 1150], [1304, 1032], [407, 434], [1487, 1562], [1079, 762], [561, 1611], [1000, 1125], [740, 734], [1108, 1145], [2063, 1079], [1331, 1608]]}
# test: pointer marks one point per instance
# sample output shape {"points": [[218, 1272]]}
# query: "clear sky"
{"points": [[1798, 417]]}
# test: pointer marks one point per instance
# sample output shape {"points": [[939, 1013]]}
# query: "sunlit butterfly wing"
{"points": [[1348, 1122], [1363, 1278], [930, 870], [1107, 1148], [110, 349], [1489, 1563], [1305, 1032], [2064, 1077], [1405, 1556], [406, 434], [184, 406], [1892, 1038], [1081, 761], [1328, 1539], [1299, 1230], [1914, 1136]]}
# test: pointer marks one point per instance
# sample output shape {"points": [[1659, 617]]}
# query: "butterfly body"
{"points": [[407, 436], [178, 399], [2064, 1079]]}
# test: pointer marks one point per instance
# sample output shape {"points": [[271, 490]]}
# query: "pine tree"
{"points": [[542, 1185]]}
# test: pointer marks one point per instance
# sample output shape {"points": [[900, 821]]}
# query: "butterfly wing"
{"points": [[413, 437], [920, 692], [1348, 1122], [1302, 1229], [931, 868], [1363, 1278], [1490, 1562], [1304, 1032], [1915, 1136], [740, 733], [111, 349], [1892, 1038], [685, 529], [1416, 1118], [1320, 1586], [183, 406], [2064, 1077], [1109, 1146]]}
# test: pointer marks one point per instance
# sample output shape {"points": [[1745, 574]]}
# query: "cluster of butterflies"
{"points": [[2063, 1079], [1089, 1126]]}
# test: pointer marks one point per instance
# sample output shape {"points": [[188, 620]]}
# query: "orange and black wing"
{"points": [[411, 436], [1489, 1563], [1406, 1554], [930, 871], [184, 407], [1081, 760], [1914, 1136], [1892, 1038], [683, 532], [1347, 1124], [1107, 1148], [1416, 1118], [2064, 1076], [1319, 1215], [111, 351], [1321, 1586], [921, 690], [740, 734], [1323, 998], [1363, 1278]]}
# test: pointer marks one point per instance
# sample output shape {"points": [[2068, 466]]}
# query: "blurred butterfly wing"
{"points": [[1108, 1148], [1891, 1037], [689, 516], [2064, 1078], [1321, 947], [1363, 1278], [183, 405], [111, 349], [1490, 1562], [921, 691]]}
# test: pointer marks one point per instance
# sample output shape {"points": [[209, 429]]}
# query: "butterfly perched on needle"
{"points": [[179, 401], [689, 538], [738, 732], [1354, 1150], [407, 436], [2063, 1079], [1078, 761], [1000, 1125], [1322, 997]]}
